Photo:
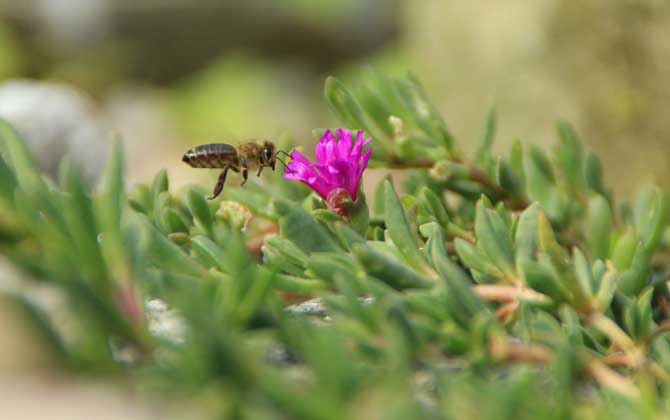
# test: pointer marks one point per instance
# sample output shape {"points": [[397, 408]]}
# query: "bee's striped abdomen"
{"points": [[214, 155]]}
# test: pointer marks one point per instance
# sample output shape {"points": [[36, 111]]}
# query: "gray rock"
{"points": [[56, 121], [164, 322], [313, 307]]}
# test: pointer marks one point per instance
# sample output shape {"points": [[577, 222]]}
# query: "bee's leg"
{"points": [[219, 185], [260, 169], [245, 175]]}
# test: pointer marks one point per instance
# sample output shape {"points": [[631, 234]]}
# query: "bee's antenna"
{"points": [[281, 161], [281, 151]]}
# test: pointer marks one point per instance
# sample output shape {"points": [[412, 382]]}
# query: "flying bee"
{"points": [[246, 157]]}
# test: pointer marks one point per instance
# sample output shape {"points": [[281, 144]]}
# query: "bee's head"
{"points": [[268, 156]]}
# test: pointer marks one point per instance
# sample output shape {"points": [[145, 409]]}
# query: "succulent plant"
{"points": [[509, 286]]}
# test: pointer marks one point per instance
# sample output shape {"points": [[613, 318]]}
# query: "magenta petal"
{"points": [[344, 144], [321, 188], [363, 164], [299, 157], [338, 164], [343, 149], [320, 152], [358, 145]]}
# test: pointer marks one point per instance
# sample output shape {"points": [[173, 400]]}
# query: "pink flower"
{"points": [[338, 168]]}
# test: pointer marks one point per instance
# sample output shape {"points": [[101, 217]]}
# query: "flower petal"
{"points": [[363, 164], [338, 163], [358, 145], [344, 144]]}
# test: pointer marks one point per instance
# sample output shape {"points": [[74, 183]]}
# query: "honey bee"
{"points": [[247, 156]]}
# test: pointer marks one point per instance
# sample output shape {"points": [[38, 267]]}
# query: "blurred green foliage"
{"points": [[601, 65], [10, 56], [506, 286], [229, 97]]}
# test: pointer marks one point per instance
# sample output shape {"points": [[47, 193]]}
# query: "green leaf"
{"points": [[301, 229], [430, 204], [111, 200], [284, 255], [593, 174], [174, 220], [358, 213], [462, 303], [516, 160], [299, 285], [637, 316], [425, 113], [77, 209], [493, 237], [326, 216], [349, 289], [624, 250], [343, 104], [468, 189], [111, 205], [506, 178], [399, 230], [571, 325], [569, 156], [160, 183], [376, 108], [484, 156], [347, 235], [474, 259], [559, 261], [634, 279], [254, 300], [202, 214], [583, 272], [645, 309], [544, 280], [325, 266], [651, 216], [18, 157], [162, 253], [378, 196], [598, 227], [209, 253], [540, 182], [257, 202], [141, 199], [389, 270], [526, 233], [8, 183], [608, 285]]}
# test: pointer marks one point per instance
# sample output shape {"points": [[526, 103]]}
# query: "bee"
{"points": [[246, 157]]}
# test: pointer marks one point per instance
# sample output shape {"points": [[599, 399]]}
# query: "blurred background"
{"points": [[168, 74], [165, 75]]}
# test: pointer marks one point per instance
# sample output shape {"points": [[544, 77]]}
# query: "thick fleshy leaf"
{"points": [[494, 238], [399, 231], [526, 233], [474, 259], [389, 270], [598, 227], [202, 214], [344, 104], [583, 272], [300, 228], [431, 206], [569, 156], [624, 250]]}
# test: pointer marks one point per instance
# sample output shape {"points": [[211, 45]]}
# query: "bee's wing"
{"points": [[218, 148]]}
